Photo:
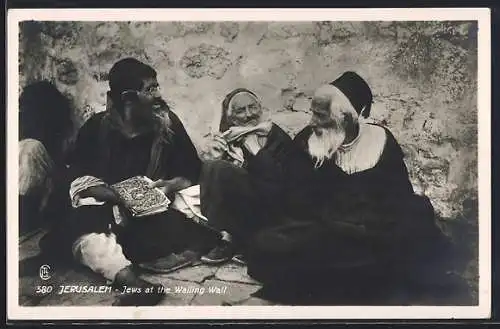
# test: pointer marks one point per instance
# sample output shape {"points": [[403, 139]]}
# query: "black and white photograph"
{"points": [[180, 164]]}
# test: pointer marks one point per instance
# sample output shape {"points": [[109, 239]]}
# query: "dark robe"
{"points": [[349, 231], [105, 153], [244, 200]]}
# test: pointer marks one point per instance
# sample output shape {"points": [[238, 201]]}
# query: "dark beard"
{"points": [[159, 105], [149, 115], [143, 120]]}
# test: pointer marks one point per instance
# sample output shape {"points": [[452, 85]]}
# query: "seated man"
{"points": [[242, 188], [359, 221], [137, 135], [44, 126]]}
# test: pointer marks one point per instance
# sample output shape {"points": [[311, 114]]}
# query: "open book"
{"points": [[140, 199]]}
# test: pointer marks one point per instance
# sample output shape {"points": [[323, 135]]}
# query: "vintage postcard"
{"points": [[318, 164]]}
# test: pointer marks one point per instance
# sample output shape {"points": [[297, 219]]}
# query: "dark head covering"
{"points": [[356, 90], [224, 124], [45, 115]]}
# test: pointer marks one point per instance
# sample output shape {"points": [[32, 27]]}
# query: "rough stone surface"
{"points": [[206, 60], [27, 294], [31, 285], [177, 292], [28, 246], [423, 75], [78, 277], [229, 30], [67, 73], [196, 274], [234, 273], [227, 287]]}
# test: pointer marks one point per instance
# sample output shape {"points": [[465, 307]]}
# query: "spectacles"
{"points": [[152, 89]]}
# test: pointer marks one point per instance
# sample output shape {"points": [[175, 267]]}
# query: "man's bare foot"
{"points": [[136, 291]]}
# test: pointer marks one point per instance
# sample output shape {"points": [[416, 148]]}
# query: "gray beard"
{"points": [[322, 146]]}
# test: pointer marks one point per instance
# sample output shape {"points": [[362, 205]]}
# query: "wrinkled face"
{"points": [[322, 117], [244, 110], [327, 123]]}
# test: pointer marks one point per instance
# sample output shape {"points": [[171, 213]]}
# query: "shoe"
{"points": [[220, 254], [240, 259], [168, 264], [140, 295]]}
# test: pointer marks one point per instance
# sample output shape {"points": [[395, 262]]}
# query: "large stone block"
{"points": [[229, 30], [67, 72], [206, 60]]}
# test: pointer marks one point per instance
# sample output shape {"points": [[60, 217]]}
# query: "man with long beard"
{"points": [[137, 135], [359, 223]]}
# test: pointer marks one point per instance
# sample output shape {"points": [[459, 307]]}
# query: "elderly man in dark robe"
{"points": [[358, 221], [138, 135], [242, 185]]}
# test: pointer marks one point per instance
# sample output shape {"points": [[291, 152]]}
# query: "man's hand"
{"points": [[101, 193], [172, 185], [217, 147], [164, 185]]}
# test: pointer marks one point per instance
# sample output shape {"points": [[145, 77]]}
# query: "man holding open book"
{"points": [[118, 217]]}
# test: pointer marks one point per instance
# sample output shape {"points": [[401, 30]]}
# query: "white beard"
{"points": [[323, 147]]}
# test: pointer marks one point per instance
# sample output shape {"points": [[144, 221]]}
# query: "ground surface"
{"points": [[197, 285], [223, 285]]}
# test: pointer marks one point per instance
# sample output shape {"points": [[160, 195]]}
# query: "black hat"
{"points": [[356, 90]]}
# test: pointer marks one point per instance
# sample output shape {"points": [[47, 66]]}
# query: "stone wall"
{"points": [[423, 75]]}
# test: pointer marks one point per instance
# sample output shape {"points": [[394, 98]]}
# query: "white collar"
{"points": [[355, 141]]}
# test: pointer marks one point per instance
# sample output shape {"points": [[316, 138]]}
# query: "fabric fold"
{"points": [[188, 202], [80, 184], [101, 253], [235, 136]]}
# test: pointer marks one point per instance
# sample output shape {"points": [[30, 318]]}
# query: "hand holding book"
{"points": [[101, 193], [172, 185], [140, 198]]}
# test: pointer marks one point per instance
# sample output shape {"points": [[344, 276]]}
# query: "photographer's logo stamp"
{"points": [[44, 272]]}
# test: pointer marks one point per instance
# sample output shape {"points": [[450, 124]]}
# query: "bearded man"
{"points": [[358, 221], [137, 135]]}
